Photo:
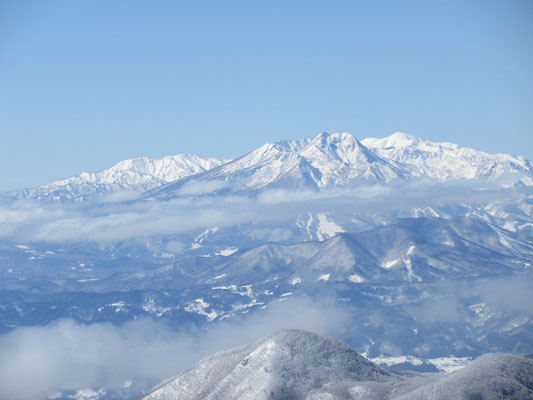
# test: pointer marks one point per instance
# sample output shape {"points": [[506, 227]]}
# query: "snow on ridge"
{"points": [[444, 364], [326, 227], [136, 174], [227, 252], [334, 159], [397, 139], [324, 277], [330, 159], [446, 160]]}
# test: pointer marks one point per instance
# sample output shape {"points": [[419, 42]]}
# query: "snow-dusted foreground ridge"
{"points": [[300, 365]]}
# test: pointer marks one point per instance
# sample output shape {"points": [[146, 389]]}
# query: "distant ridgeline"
{"points": [[328, 160]]}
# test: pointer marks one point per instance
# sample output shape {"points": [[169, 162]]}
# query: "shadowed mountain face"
{"points": [[299, 365], [412, 250]]}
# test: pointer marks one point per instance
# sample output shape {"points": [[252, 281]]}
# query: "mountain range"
{"points": [[338, 159], [328, 160], [135, 175]]}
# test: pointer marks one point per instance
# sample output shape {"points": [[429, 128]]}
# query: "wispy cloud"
{"points": [[201, 187], [36, 361], [509, 294], [113, 220]]}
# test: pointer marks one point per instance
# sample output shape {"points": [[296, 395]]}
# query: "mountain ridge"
{"points": [[330, 159], [334, 159], [455, 162], [136, 174]]}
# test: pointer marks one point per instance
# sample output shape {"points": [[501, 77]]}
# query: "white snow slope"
{"points": [[336, 159], [137, 174], [286, 365], [445, 161], [328, 160]]}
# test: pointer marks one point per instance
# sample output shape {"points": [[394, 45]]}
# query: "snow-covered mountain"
{"points": [[408, 250], [338, 159], [447, 161], [290, 364], [137, 174], [328, 160], [300, 365], [490, 377]]}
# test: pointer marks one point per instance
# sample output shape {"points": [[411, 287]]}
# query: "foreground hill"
{"points": [[295, 364], [289, 364], [492, 376]]}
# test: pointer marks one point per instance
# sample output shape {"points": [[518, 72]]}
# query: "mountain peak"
{"points": [[326, 139], [290, 363], [340, 146], [296, 364], [397, 140], [401, 139], [329, 159], [290, 336], [335, 135]]}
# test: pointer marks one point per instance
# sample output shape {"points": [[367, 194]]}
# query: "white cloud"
{"points": [[201, 187], [114, 221], [36, 361], [175, 247]]}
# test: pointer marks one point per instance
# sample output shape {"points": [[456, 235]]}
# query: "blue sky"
{"points": [[84, 84]]}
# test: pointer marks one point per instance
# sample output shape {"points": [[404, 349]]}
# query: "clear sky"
{"points": [[84, 84]]}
